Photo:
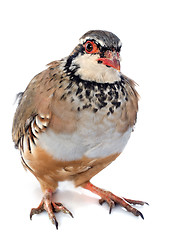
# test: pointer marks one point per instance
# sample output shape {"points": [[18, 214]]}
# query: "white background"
{"points": [[33, 33]]}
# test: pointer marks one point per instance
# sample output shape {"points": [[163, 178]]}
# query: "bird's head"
{"points": [[97, 57]]}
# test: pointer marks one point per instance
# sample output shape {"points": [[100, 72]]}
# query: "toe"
{"points": [[37, 210], [58, 207], [135, 202]]}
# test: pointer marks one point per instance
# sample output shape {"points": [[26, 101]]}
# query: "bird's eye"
{"points": [[91, 47]]}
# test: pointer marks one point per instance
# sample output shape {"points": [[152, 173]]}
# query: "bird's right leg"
{"points": [[50, 207]]}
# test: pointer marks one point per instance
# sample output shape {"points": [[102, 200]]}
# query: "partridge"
{"points": [[75, 118]]}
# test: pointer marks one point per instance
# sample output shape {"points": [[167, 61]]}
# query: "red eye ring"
{"points": [[91, 47]]}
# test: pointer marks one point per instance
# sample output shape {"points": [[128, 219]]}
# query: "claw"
{"points": [[31, 214], [101, 201], [55, 222], [111, 204], [110, 208], [140, 214], [70, 213]]}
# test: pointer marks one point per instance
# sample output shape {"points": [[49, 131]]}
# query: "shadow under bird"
{"points": [[75, 118]]}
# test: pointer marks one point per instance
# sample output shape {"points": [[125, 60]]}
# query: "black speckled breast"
{"points": [[94, 95]]}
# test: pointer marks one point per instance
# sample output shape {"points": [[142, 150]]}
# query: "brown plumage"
{"points": [[75, 118]]}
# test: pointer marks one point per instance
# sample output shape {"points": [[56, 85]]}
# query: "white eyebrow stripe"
{"points": [[83, 40], [119, 43]]}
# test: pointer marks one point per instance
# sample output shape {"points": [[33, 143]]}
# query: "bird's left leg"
{"points": [[112, 199]]}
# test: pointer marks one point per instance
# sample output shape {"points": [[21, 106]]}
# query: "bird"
{"points": [[75, 118]]}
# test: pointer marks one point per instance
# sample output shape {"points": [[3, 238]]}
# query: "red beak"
{"points": [[111, 59]]}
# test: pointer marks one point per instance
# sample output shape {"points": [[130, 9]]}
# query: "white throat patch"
{"points": [[91, 70]]}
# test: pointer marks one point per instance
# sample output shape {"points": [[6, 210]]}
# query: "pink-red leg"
{"points": [[112, 199], [50, 207]]}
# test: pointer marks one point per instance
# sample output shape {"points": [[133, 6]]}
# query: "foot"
{"points": [[112, 200], [50, 207]]}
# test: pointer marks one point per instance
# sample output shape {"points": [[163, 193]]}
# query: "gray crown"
{"points": [[105, 38]]}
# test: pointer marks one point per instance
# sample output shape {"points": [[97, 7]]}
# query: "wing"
{"points": [[129, 108], [34, 110]]}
